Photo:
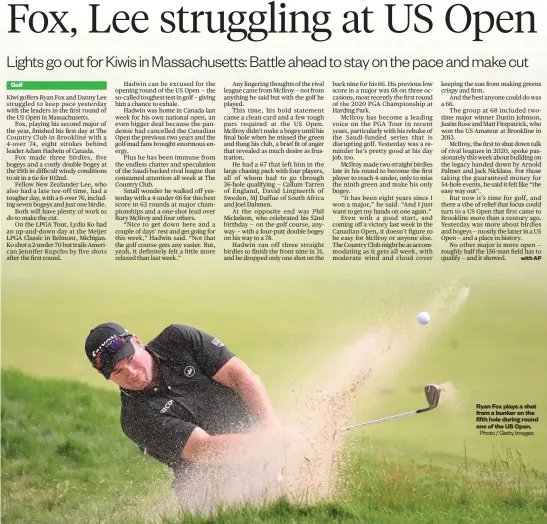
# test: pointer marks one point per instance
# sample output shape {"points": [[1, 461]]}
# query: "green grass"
{"points": [[64, 456], [65, 459]]}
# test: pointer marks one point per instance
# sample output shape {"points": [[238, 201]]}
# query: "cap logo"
{"points": [[189, 371]]}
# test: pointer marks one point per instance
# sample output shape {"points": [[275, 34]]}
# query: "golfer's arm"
{"points": [[238, 376], [222, 449]]}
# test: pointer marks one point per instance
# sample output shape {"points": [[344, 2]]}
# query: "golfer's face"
{"points": [[134, 372]]}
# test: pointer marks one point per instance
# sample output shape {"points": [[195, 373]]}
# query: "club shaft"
{"points": [[432, 394], [377, 421]]}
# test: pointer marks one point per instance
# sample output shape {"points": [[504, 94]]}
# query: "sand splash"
{"points": [[451, 398], [364, 368], [319, 410]]}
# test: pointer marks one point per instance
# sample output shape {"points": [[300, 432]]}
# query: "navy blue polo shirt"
{"points": [[160, 420]]}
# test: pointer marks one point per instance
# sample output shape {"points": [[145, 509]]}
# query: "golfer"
{"points": [[187, 401]]}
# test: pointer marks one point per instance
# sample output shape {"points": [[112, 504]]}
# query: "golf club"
{"points": [[432, 394]]}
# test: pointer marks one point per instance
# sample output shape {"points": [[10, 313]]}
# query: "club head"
{"points": [[432, 395]]}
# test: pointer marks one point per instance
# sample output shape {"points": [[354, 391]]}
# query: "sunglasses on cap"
{"points": [[108, 351]]}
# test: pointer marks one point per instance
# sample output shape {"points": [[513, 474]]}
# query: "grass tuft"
{"points": [[65, 459]]}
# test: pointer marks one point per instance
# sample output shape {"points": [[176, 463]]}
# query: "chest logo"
{"points": [[167, 406], [189, 371]]}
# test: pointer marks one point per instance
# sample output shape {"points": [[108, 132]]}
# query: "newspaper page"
{"points": [[347, 195]]}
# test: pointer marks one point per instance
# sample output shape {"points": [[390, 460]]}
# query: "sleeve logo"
{"points": [[217, 343]]}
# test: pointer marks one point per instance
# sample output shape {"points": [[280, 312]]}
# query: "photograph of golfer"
{"points": [[189, 402]]}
